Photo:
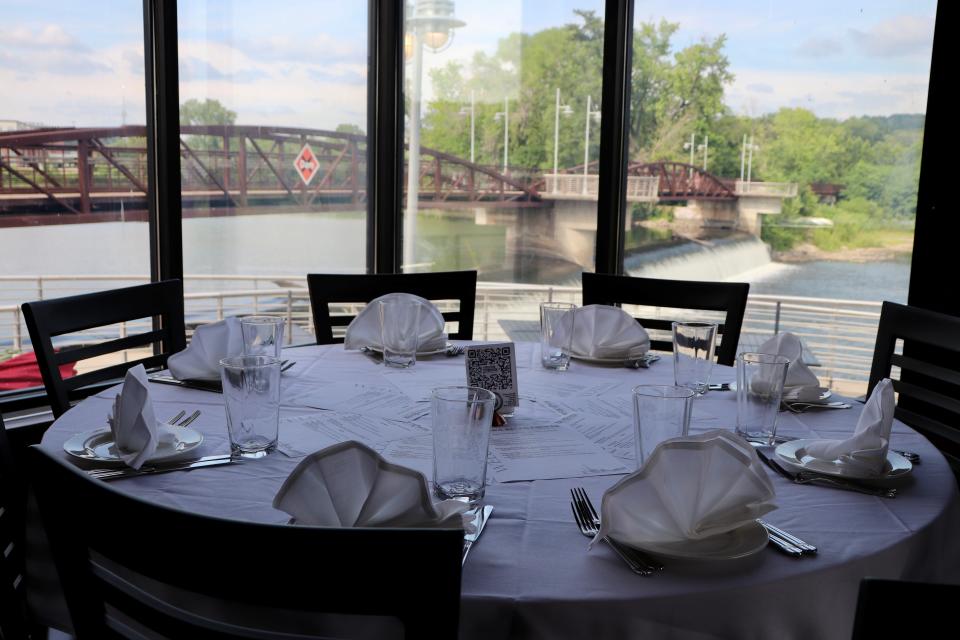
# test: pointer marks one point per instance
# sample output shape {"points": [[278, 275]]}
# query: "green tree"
{"points": [[208, 112]]}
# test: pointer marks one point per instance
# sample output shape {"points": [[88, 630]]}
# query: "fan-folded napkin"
{"points": [[690, 488], [364, 330], [351, 485], [136, 433], [801, 384], [867, 448], [210, 344], [601, 331]]}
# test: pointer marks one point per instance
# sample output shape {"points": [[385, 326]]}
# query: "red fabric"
{"points": [[22, 371]]}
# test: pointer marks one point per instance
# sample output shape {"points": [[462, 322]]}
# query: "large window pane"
{"points": [[503, 132], [782, 143], [72, 163], [273, 162]]}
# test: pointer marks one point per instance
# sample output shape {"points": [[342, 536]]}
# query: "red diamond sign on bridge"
{"points": [[306, 164]]}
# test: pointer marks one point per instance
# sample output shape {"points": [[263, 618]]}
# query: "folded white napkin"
{"points": [[136, 433], [600, 331], [364, 330], [867, 448], [351, 485], [690, 488], [801, 385], [210, 344]]}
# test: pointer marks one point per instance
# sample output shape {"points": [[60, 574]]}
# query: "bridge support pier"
{"points": [[742, 214]]}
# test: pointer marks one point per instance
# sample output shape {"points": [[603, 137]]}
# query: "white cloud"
{"points": [[897, 37], [832, 95]]}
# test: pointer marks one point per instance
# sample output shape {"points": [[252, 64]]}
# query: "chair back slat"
{"points": [[328, 289], [112, 372], [928, 391], [103, 568], [47, 319], [729, 298]]}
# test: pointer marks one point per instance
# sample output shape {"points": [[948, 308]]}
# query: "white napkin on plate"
{"points": [[364, 330], [801, 384], [210, 344], [690, 488], [867, 448], [351, 485], [136, 433], [601, 331]]}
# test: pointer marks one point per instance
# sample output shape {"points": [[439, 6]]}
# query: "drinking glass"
{"points": [[556, 334], [400, 332], [251, 393], [693, 344], [760, 380], [462, 419], [262, 335], [660, 412]]}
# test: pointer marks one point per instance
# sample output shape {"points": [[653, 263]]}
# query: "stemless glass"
{"points": [[462, 419], [262, 335], [400, 332], [693, 344], [556, 334], [251, 394], [760, 380], [660, 412]]}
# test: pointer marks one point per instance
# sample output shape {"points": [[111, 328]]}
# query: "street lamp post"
{"points": [[566, 110], [473, 131], [505, 114], [692, 146], [705, 147], [431, 24], [751, 148], [586, 144]]}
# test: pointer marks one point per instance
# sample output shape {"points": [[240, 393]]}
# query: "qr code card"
{"points": [[494, 367]]}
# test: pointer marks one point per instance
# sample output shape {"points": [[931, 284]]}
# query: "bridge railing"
{"points": [[839, 334], [773, 189], [576, 186]]}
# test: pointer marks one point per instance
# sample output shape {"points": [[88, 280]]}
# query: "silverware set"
{"points": [[206, 461], [193, 416], [806, 477], [788, 543], [588, 522], [455, 350], [802, 407], [643, 362]]}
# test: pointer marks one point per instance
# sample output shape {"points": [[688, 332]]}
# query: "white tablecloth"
{"points": [[530, 575]]}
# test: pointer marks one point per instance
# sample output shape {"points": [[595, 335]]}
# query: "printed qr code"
{"points": [[490, 368]]}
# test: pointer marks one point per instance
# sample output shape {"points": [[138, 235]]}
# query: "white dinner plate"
{"points": [[434, 352], [611, 361], [794, 453], [98, 446], [739, 543]]}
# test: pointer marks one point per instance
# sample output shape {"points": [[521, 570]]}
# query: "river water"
{"points": [[294, 244]]}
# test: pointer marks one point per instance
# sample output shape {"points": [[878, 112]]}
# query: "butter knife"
{"points": [[470, 538], [117, 474]]}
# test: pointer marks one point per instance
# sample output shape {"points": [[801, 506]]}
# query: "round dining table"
{"points": [[531, 574]]}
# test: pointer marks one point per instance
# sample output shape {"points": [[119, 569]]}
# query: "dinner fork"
{"points": [[193, 416], [455, 349], [589, 524]]}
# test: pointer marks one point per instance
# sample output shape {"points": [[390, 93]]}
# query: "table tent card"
{"points": [[351, 485], [867, 448], [690, 489], [494, 367], [210, 344], [801, 384], [603, 332], [364, 330]]}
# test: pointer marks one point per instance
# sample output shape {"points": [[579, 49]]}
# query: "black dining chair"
{"points": [[60, 317], [730, 298], [923, 609], [15, 620], [328, 289], [929, 386], [131, 568]]}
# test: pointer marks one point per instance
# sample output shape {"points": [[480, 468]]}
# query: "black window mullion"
{"points": [[384, 136], [614, 135], [163, 139]]}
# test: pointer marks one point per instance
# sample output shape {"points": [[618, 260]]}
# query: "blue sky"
{"points": [[303, 62]]}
